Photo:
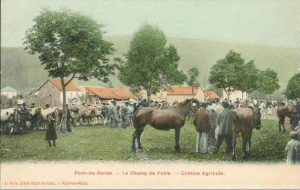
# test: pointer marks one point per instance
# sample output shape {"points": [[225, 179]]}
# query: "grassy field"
{"points": [[103, 143]]}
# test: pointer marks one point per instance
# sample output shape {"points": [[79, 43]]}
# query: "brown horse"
{"points": [[161, 120], [246, 120], [283, 112]]}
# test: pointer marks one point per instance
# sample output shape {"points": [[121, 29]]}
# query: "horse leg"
{"points": [[177, 134], [140, 131], [198, 141], [228, 139], [234, 135], [283, 127], [134, 137], [245, 143]]}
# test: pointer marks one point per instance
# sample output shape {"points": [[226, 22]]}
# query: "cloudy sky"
{"points": [[261, 22]]}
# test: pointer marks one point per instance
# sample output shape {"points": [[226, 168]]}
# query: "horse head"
{"points": [[256, 118], [185, 107]]}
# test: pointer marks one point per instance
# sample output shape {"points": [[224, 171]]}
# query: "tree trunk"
{"points": [[148, 94], [63, 127], [193, 91]]}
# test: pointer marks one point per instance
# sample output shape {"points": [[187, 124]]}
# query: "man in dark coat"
{"points": [[293, 147], [225, 128], [23, 116], [51, 131]]}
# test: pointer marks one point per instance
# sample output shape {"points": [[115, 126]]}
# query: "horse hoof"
{"points": [[139, 150]]}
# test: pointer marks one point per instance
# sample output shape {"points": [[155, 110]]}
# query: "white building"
{"points": [[9, 92]]}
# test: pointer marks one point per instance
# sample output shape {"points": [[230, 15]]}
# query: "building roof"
{"points": [[182, 91], [8, 89], [72, 86], [211, 95], [110, 93]]}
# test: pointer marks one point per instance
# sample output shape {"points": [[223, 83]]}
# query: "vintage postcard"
{"points": [[141, 94]]}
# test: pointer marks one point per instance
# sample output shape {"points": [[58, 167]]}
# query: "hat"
{"points": [[225, 104]]}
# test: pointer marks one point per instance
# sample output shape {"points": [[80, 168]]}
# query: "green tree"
{"points": [[192, 78], [248, 83], [267, 81], [292, 90], [69, 45], [226, 74], [150, 64]]}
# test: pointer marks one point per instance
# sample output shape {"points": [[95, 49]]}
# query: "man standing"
{"points": [[295, 115], [23, 116], [113, 114], [125, 114], [225, 128], [69, 117], [293, 147]]}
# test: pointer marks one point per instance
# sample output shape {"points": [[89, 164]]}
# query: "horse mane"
{"points": [[184, 103]]}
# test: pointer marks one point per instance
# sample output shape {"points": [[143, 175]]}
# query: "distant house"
{"points": [[211, 95], [96, 94], [9, 92], [159, 97], [180, 94], [51, 93]]}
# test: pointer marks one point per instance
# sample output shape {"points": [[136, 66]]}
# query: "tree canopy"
{"points": [[150, 63], [292, 90], [69, 45], [267, 81], [192, 77], [226, 74], [232, 73]]}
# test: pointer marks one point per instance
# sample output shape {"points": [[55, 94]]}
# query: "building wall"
{"points": [[161, 96], [48, 94], [179, 98], [70, 95], [9, 94], [235, 94]]}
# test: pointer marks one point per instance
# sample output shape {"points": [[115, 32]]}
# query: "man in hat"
{"points": [[113, 114], [23, 116], [295, 115], [125, 115], [225, 122], [51, 131], [293, 147]]}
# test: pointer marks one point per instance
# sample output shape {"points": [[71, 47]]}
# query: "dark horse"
{"points": [[161, 120], [246, 119], [283, 112]]}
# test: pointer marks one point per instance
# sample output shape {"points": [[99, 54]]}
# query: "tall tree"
{"points": [[69, 46], [226, 74], [150, 64], [267, 81], [292, 90]]}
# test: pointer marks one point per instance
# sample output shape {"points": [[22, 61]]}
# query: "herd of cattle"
{"points": [[36, 117]]}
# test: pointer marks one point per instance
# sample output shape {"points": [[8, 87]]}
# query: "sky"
{"points": [[256, 22]]}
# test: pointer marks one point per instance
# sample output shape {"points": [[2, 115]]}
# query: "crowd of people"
{"points": [[121, 113]]}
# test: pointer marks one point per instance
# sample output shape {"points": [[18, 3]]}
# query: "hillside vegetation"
{"points": [[24, 72]]}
